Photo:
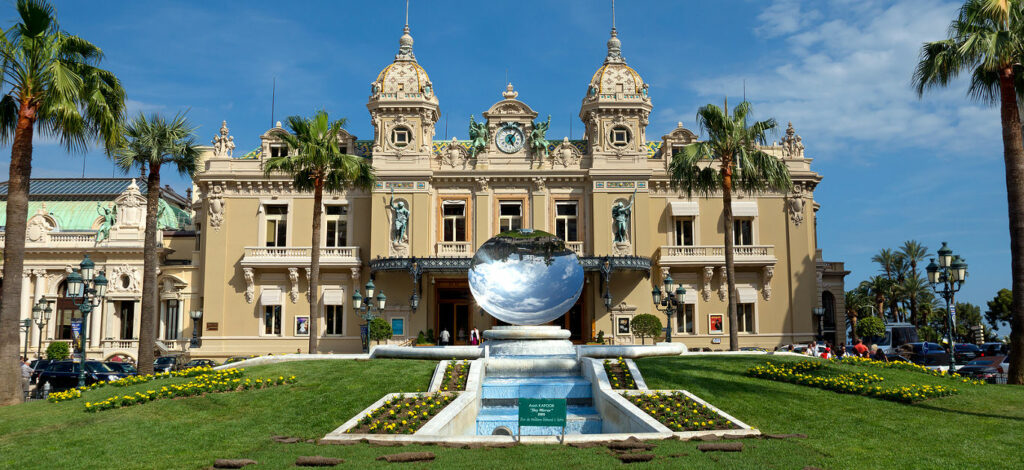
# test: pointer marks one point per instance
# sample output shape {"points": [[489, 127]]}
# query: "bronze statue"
{"points": [[400, 222], [538, 143], [620, 219], [478, 136], [109, 219]]}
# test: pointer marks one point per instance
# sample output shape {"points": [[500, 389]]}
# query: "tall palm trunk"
{"points": [[14, 251], [853, 325], [150, 289], [314, 267], [730, 269], [1013, 155]]}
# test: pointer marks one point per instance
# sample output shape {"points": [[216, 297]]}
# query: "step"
{"points": [[579, 420], [528, 366], [536, 387]]}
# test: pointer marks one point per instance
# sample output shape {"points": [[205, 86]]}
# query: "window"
{"points": [[401, 136], [454, 221], [171, 319], [745, 317], [620, 136], [333, 315], [337, 226], [566, 221], [684, 322], [277, 225], [278, 151], [743, 232], [684, 231], [510, 215], [272, 319], [127, 320]]}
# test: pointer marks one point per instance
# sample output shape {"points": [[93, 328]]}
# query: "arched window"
{"points": [[65, 310], [828, 301]]}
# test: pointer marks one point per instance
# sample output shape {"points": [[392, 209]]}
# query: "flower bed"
{"points": [[404, 414], [456, 373], [618, 374], [679, 412], [907, 366], [858, 383], [74, 393], [214, 382]]}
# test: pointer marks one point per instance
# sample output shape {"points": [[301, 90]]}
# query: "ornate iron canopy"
{"points": [[416, 266]]}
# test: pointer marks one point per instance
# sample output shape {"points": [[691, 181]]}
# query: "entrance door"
{"points": [[453, 312], [127, 320], [573, 321]]}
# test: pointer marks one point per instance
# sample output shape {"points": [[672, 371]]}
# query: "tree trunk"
{"points": [[853, 326], [314, 267], [1013, 155], [150, 287], [14, 252], [730, 269]]}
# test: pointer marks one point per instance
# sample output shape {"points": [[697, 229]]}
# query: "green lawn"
{"points": [[979, 428]]}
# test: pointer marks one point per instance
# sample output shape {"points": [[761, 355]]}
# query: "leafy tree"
{"points": [[315, 163], [927, 333], [729, 158], [148, 144], [58, 351], [916, 290], [1000, 309], [856, 301], [987, 39], [380, 329], [870, 327], [879, 289], [646, 325], [52, 85], [967, 315]]}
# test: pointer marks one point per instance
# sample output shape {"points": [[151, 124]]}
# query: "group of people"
{"points": [[826, 351], [445, 338]]}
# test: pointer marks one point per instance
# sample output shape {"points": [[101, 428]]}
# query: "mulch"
{"points": [[317, 461], [408, 457], [233, 463]]}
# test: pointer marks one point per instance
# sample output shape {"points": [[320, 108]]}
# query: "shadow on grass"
{"points": [[969, 413]]}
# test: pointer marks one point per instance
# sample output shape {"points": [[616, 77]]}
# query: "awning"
{"points": [[684, 208], [270, 296], [746, 295], [334, 297], [744, 209]]}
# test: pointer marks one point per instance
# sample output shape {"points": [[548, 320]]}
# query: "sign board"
{"points": [[76, 327], [541, 412], [952, 313]]}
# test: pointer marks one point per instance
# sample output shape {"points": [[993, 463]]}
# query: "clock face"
{"points": [[510, 139]]}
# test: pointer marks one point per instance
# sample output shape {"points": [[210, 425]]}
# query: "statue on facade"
{"points": [[109, 215], [400, 221], [478, 136], [223, 144], [538, 143], [620, 219]]}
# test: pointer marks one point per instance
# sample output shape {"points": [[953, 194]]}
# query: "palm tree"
{"points": [[55, 87], [987, 39], [913, 252], [886, 260], [855, 301], [316, 163], [149, 144], [741, 164], [915, 290], [878, 288]]}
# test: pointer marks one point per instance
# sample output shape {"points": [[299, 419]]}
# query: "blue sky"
{"points": [[895, 167]]}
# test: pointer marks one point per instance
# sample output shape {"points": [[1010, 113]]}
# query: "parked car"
{"points": [[993, 349], [992, 369], [122, 367], [201, 363], [967, 352], [38, 366], [168, 363], [234, 359], [62, 375]]}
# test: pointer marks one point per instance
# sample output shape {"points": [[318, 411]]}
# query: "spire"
{"points": [[614, 45], [405, 42]]}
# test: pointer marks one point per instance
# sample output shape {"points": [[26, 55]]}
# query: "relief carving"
{"points": [[250, 284]]}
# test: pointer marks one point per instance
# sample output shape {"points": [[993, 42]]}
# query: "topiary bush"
{"points": [[421, 338], [600, 337], [58, 351], [646, 325], [870, 328], [380, 329]]}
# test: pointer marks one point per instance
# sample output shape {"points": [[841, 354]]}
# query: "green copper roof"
{"points": [[79, 216]]}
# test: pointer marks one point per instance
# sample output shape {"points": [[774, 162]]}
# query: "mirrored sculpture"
{"points": [[525, 277]]}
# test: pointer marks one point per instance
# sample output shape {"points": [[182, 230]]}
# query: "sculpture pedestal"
{"points": [[522, 340]]}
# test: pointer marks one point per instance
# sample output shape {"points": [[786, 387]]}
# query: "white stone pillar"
{"points": [[95, 318], [136, 318]]}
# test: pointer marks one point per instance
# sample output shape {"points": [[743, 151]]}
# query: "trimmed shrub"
{"points": [[646, 325], [58, 351], [870, 327], [380, 329]]}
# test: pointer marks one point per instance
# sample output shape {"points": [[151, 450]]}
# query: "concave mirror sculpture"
{"points": [[525, 277]]}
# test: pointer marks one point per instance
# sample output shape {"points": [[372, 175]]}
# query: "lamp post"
{"points": [[819, 313], [946, 278], [86, 290], [196, 315], [669, 302], [41, 314], [369, 310]]}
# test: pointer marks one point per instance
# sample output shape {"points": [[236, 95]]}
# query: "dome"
{"points": [[404, 78], [615, 80]]}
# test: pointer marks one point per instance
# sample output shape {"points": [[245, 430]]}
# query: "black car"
{"points": [[993, 349], [201, 363], [967, 352], [122, 367], [38, 366], [62, 375], [983, 369], [168, 363]]}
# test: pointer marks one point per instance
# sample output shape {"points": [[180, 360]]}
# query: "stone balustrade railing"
{"points": [[456, 249]]}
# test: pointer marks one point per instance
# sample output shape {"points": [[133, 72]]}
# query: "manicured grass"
{"points": [[978, 428]]}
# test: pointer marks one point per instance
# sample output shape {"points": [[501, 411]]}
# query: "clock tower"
{"points": [[509, 125]]}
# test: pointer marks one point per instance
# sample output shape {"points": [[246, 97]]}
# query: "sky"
{"points": [[895, 166]]}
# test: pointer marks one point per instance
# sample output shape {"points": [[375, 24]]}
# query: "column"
{"points": [[136, 318], [108, 319], [94, 326]]}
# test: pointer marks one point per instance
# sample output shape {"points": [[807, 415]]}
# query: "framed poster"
{"points": [[715, 322], [398, 326], [302, 326], [623, 325]]}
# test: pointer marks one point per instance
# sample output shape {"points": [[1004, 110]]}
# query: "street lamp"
{"points": [[819, 312], [86, 290], [196, 326], [369, 310], [946, 278], [41, 314], [669, 302]]}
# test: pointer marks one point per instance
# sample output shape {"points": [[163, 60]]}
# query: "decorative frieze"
{"points": [[620, 186]]}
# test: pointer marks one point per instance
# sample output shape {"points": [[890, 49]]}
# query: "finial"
{"points": [[278, 125], [614, 49], [613, 16], [407, 15], [509, 93], [405, 42]]}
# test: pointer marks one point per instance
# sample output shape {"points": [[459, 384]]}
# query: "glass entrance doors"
{"points": [[453, 317]]}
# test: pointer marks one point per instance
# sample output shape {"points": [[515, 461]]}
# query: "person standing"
{"points": [[445, 337], [860, 349], [26, 376]]}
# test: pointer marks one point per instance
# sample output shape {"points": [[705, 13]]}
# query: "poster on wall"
{"points": [[715, 321], [398, 326], [623, 325], [302, 326]]}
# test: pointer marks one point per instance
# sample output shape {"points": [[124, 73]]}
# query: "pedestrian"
{"points": [[841, 351], [811, 349], [445, 337], [474, 336], [878, 353], [26, 376], [860, 349]]}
